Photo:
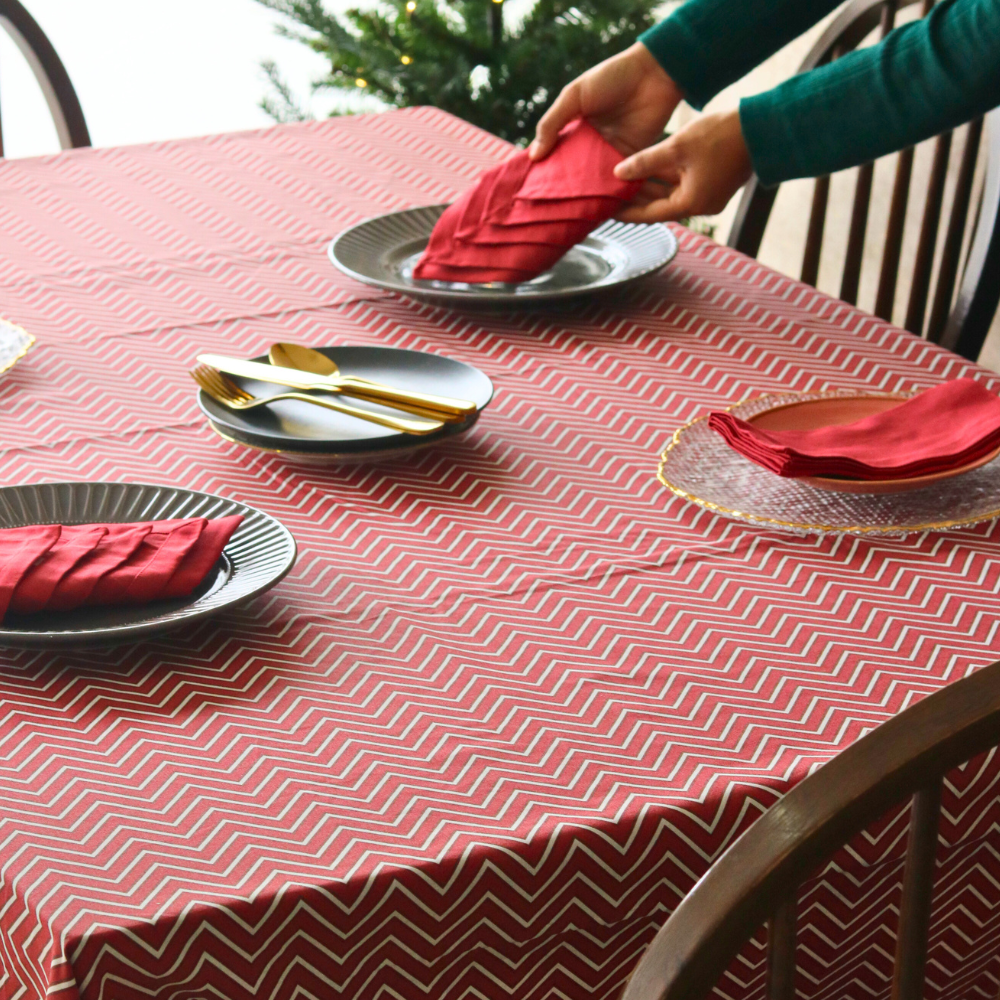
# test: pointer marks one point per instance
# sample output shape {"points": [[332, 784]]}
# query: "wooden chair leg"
{"points": [[918, 888], [781, 952]]}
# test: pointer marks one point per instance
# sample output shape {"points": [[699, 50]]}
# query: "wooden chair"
{"points": [[757, 879], [52, 77], [960, 319]]}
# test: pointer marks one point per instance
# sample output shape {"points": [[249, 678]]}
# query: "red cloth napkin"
{"points": [[73, 587], [19, 548], [35, 589], [51, 567], [520, 217], [940, 429]]}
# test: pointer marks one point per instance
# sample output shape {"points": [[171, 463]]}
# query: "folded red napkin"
{"points": [[520, 217], [940, 429], [51, 567]]}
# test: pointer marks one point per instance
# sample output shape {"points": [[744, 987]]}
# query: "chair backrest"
{"points": [[756, 880], [958, 321], [52, 77]]}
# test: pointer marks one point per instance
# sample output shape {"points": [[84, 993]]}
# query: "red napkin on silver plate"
{"points": [[52, 567], [520, 217], [938, 430]]}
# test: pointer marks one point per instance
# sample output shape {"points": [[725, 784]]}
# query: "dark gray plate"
{"points": [[301, 428], [258, 555], [383, 252]]}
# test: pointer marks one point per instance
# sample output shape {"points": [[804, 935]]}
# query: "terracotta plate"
{"points": [[813, 413]]}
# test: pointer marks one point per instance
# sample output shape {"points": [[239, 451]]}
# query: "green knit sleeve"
{"points": [[706, 45], [923, 78]]}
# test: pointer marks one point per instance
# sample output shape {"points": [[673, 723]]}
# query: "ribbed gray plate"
{"points": [[258, 555], [383, 252]]}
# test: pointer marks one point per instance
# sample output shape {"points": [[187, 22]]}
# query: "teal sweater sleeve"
{"points": [[923, 78], [706, 45]]}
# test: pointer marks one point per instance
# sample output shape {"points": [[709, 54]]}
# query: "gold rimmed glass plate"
{"points": [[700, 467], [15, 342]]}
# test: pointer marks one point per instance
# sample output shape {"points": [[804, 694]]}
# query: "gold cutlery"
{"points": [[306, 359], [444, 408], [223, 390]]}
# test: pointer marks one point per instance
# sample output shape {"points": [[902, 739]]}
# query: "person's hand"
{"points": [[694, 172], [628, 98]]}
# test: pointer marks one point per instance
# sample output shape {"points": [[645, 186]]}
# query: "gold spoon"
{"points": [[225, 391], [305, 359]]}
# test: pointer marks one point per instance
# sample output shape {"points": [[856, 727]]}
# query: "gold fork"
{"points": [[225, 391]]}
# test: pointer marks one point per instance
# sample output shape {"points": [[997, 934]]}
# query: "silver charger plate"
{"points": [[383, 252], [699, 466], [258, 555]]}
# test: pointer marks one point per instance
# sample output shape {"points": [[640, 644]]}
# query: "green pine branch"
{"points": [[437, 52]]}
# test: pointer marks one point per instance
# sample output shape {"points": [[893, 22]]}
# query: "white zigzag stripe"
{"points": [[513, 700]]}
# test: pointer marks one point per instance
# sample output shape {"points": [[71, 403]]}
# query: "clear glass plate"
{"points": [[15, 342], [700, 467]]}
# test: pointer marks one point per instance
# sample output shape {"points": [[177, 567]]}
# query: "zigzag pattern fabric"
{"points": [[514, 697]]}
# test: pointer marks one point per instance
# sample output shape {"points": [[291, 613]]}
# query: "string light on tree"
{"points": [[405, 60]]}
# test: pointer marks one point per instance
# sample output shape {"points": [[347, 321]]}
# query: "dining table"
{"points": [[515, 696]]}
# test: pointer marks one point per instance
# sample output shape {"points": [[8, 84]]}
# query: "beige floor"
{"points": [[785, 235]]}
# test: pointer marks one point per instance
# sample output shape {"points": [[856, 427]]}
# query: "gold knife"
{"points": [[443, 406]]}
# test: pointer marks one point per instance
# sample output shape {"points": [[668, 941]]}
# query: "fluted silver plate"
{"points": [[383, 252], [258, 555]]}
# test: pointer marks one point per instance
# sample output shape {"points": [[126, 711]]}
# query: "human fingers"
{"points": [[708, 162], [659, 161], [565, 108], [675, 205]]}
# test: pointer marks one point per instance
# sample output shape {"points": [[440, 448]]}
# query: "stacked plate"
{"points": [[311, 433]]}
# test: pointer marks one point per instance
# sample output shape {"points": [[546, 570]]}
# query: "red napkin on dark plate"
{"points": [[520, 217], [19, 548], [199, 560], [36, 587], [145, 574], [941, 429], [51, 567], [75, 585]]}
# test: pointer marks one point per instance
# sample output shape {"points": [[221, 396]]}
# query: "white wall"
{"points": [[152, 69]]}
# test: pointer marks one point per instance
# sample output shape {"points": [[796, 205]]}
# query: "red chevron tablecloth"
{"points": [[514, 698]]}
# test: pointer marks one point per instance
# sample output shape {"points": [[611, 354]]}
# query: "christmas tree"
{"points": [[459, 55]]}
